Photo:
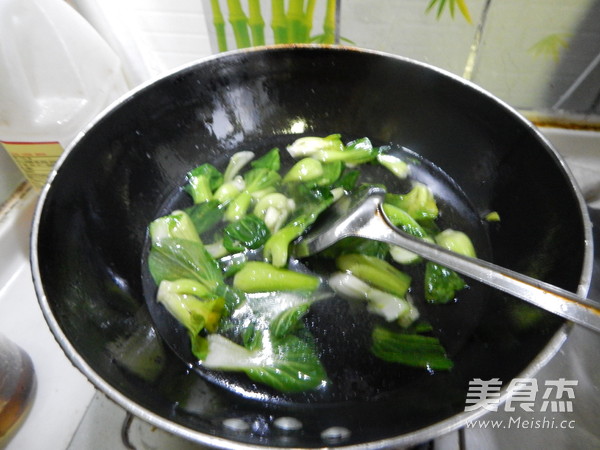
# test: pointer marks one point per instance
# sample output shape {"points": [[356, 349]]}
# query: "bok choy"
{"points": [[222, 264]]}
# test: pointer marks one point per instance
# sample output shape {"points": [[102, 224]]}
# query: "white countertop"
{"points": [[63, 393]]}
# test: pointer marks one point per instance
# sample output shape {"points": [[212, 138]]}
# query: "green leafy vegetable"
{"points": [[492, 216], [456, 241], [356, 152], [191, 304], [230, 190], [249, 232], [351, 245], [389, 306], [289, 320], [202, 181], [205, 215], [348, 180], [270, 160], [331, 174], [236, 164], [176, 225], [306, 169], [255, 180], [419, 202], [312, 202], [238, 207], [248, 315], [260, 178], [401, 219], [441, 283], [274, 209], [409, 349], [175, 259], [310, 145], [376, 272], [290, 364], [394, 164], [258, 276]]}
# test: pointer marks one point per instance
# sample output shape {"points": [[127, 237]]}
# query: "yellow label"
{"points": [[34, 159]]}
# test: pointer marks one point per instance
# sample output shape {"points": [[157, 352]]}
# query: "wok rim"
{"points": [[425, 434]]}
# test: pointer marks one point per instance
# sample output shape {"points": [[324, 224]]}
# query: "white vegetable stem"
{"points": [[237, 162], [394, 165], [224, 354], [382, 303]]}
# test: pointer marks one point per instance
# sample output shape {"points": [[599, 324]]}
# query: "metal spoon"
{"points": [[362, 216]]}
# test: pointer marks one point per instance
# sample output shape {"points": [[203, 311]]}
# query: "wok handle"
{"points": [[556, 300]]}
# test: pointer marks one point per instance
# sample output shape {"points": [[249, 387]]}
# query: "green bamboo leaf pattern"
{"points": [[219, 24], [239, 23], [550, 46], [329, 23], [256, 22], [291, 22], [450, 5], [279, 22], [295, 20]]}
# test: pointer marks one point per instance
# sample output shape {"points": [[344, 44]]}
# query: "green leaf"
{"points": [[295, 368], [451, 6], [270, 160], [233, 297], [202, 182], [310, 201], [419, 202], [191, 304], [401, 219], [409, 349], [290, 364], [175, 225], [441, 283], [249, 232], [205, 215], [550, 46], [260, 178], [289, 320], [176, 259], [348, 180], [331, 173]]}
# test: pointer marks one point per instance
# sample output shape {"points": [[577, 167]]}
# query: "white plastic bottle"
{"points": [[56, 75]]}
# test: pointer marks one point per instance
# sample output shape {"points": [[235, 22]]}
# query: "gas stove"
{"points": [[68, 413]]}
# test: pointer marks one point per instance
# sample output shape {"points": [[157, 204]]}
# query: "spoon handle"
{"points": [[559, 301]]}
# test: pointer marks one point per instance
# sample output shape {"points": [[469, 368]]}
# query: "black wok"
{"points": [[88, 237]]}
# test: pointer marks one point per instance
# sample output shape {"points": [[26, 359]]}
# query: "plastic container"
{"points": [[57, 75], [17, 387]]}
